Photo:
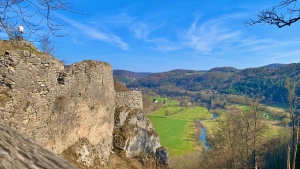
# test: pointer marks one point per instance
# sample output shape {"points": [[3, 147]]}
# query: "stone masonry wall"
{"points": [[131, 99], [57, 106]]}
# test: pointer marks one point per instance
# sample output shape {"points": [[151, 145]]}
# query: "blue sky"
{"points": [[162, 35]]}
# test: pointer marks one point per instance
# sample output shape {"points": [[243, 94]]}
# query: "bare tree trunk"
{"points": [[288, 160], [293, 102], [295, 144]]}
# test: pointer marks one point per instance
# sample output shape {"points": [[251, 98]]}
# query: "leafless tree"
{"points": [[293, 103], [33, 14], [241, 133], [47, 45], [284, 14]]}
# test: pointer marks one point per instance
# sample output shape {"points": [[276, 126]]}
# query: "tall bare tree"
{"points": [[47, 45], [284, 14], [293, 102], [254, 122], [34, 13], [240, 136]]}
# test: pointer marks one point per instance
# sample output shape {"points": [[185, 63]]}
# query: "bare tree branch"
{"points": [[33, 14], [284, 14]]}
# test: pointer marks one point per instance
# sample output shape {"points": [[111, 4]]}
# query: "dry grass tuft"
{"points": [[5, 45]]}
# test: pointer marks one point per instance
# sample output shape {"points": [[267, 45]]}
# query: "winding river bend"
{"points": [[202, 137], [203, 134]]}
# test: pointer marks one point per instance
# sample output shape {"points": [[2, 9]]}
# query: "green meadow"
{"points": [[176, 135], [176, 131], [275, 115], [192, 113], [188, 113]]}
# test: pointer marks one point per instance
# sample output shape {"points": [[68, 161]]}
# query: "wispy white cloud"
{"points": [[219, 36], [268, 48], [208, 36], [78, 42], [99, 35], [275, 44], [287, 54], [120, 19], [204, 38], [164, 45], [118, 40], [212, 37], [140, 30]]}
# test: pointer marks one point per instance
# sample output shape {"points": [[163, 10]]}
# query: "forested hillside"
{"points": [[127, 77], [268, 80]]}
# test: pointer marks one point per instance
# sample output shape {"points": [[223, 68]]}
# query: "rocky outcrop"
{"points": [[56, 106], [162, 156], [133, 132], [73, 111], [84, 154], [17, 151]]}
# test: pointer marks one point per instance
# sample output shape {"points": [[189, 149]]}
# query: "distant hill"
{"points": [[274, 65], [182, 79], [127, 77], [224, 69], [227, 80]]}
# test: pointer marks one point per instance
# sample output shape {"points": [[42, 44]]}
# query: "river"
{"points": [[203, 134]]}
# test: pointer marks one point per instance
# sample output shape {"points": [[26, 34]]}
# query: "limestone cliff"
{"points": [[133, 132], [57, 106], [70, 110]]}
